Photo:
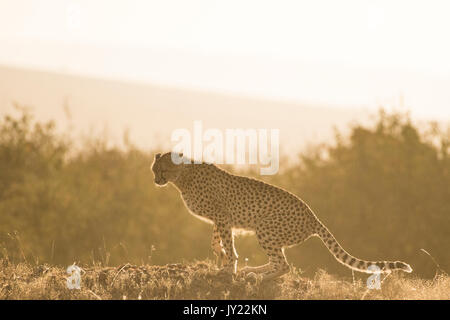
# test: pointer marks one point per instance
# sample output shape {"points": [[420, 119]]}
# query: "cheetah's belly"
{"points": [[201, 208]]}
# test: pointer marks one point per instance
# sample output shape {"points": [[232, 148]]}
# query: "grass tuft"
{"points": [[202, 280]]}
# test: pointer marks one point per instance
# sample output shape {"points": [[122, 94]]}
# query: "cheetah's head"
{"points": [[165, 169]]}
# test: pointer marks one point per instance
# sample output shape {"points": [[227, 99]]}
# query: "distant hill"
{"points": [[152, 112]]}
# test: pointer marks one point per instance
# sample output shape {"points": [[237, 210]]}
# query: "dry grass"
{"points": [[201, 280]]}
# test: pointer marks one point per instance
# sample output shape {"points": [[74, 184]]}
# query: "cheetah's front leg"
{"points": [[216, 244], [226, 234]]}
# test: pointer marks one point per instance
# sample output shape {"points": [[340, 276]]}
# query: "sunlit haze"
{"points": [[344, 54]]}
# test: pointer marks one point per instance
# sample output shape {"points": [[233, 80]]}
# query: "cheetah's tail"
{"points": [[356, 264]]}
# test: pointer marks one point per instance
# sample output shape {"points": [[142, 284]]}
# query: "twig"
{"points": [[354, 282], [16, 237], [95, 295], [434, 260], [120, 270], [53, 251]]}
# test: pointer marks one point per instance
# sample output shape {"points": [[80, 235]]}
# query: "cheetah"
{"points": [[231, 202]]}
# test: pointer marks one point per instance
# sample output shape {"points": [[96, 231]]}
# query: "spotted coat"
{"points": [[279, 218]]}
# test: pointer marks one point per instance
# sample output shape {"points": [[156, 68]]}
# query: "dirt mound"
{"points": [[200, 280]]}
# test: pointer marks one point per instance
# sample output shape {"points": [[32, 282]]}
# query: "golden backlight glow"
{"points": [[340, 108], [347, 53]]}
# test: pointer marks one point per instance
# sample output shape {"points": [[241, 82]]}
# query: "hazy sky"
{"points": [[353, 53]]}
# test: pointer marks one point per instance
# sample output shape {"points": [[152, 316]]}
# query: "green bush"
{"points": [[384, 192]]}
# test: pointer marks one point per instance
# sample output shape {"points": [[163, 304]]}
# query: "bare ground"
{"points": [[202, 280]]}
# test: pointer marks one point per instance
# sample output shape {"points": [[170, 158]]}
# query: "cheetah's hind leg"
{"points": [[253, 272], [257, 269], [275, 272], [277, 264]]}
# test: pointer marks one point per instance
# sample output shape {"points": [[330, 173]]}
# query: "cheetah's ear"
{"points": [[158, 155]]}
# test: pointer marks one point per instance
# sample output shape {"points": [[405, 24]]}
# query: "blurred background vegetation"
{"points": [[383, 190]]}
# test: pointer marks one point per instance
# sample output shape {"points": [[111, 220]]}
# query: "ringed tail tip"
{"points": [[403, 266]]}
